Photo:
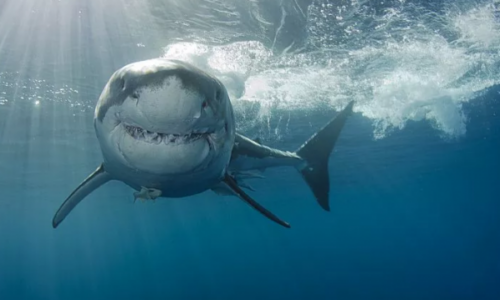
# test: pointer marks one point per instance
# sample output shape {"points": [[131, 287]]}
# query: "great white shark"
{"points": [[167, 129]]}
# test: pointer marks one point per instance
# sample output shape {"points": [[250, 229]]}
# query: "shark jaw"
{"points": [[160, 152], [157, 138]]}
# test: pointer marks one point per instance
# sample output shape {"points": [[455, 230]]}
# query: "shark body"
{"points": [[167, 129]]}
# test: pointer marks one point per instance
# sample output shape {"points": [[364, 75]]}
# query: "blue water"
{"points": [[415, 175]]}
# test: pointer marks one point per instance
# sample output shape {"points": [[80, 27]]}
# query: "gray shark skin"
{"points": [[167, 129]]}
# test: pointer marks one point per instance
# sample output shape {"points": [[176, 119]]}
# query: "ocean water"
{"points": [[415, 175]]}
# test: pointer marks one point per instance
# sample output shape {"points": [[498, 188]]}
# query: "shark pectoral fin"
{"points": [[91, 183], [238, 191]]}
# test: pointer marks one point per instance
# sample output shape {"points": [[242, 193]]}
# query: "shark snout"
{"points": [[173, 108]]}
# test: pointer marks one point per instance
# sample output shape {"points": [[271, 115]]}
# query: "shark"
{"points": [[167, 129]]}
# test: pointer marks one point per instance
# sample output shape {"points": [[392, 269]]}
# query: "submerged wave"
{"points": [[401, 64], [401, 61]]}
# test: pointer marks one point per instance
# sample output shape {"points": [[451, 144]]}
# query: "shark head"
{"points": [[164, 117]]}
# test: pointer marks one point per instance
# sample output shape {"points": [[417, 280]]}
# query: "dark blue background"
{"points": [[413, 217]]}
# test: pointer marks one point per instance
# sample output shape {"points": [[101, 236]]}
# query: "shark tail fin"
{"points": [[316, 152]]}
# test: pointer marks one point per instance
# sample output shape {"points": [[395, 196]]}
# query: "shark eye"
{"points": [[121, 84], [135, 95], [204, 104]]}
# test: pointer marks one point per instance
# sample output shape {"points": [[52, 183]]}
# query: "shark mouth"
{"points": [[139, 133]]}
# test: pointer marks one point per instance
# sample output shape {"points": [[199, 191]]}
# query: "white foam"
{"points": [[415, 75], [479, 26]]}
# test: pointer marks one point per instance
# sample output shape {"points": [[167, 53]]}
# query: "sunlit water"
{"points": [[414, 176]]}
